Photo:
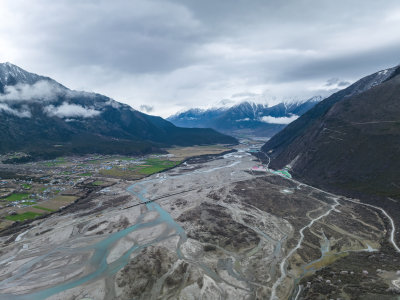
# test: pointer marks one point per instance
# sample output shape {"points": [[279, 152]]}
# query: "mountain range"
{"points": [[349, 143], [246, 118], [44, 118]]}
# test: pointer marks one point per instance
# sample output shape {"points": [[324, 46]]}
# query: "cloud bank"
{"points": [[280, 120], [24, 112], [40, 91], [146, 108], [176, 54], [67, 110]]}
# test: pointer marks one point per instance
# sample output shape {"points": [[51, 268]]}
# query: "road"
{"points": [[284, 261], [392, 232], [391, 239], [335, 197]]}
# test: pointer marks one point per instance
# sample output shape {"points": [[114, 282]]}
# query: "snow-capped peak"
{"points": [[11, 74], [291, 102]]}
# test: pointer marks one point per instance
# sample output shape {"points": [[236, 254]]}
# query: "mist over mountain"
{"points": [[40, 116], [245, 118]]}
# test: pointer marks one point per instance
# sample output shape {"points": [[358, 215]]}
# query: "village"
{"points": [[36, 189]]}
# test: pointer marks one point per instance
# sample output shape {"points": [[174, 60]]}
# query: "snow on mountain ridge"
{"points": [[10, 72], [254, 105], [20, 88]]}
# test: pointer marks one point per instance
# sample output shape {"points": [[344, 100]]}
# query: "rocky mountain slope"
{"points": [[40, 116], [246, 118], [350, 142]]}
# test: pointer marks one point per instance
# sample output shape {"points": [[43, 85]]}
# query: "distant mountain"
{"points": [[42, 117], [246, 118], [350, 142]]}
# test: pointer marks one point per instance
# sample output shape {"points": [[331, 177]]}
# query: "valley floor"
{"points": [[210, 228]]}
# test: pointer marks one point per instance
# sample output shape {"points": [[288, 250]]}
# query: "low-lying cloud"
{"points": [[243, 120], [24, 112], [146, 108], [244, 95], [67, 110], [280, 120], [337, 82], [40, 91]]}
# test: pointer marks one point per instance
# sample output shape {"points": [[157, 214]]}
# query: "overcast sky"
{"points": [[164, 56]]}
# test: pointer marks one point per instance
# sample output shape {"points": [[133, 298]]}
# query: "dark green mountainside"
{"points": [[44, 118], [348, 145], [293, 133]]}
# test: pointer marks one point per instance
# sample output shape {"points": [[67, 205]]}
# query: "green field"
{"points": [[58, 161], [26, 186], [150, 166], [106, 160], [17, 197], [116, 172], [154, 165], [24, 216], [85, 174], [98, 182]]}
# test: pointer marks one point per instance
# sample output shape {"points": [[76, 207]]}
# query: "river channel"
{"points": [[100, 251]]}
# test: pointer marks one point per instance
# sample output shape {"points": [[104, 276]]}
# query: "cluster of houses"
{"points": [[92, 164]]}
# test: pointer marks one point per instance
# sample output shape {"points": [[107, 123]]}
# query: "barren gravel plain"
{"points": [[207, 229]]}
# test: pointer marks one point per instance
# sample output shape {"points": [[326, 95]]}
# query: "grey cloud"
{"points": [[24, 112], [353, 65], [131, 36], [67, 110], [225, 102], [335, 83], [280, 120], [343, 83], [244, 94], [332, 81], [114, 104], [41, 90], [175, 54], [146, 108]]}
